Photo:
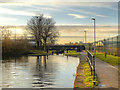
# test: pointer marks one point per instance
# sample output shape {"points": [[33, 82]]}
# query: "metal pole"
{"points": [[94, 39], [85, 40], [94, 51]]}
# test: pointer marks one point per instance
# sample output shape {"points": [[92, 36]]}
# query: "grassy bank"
{"points": [[84, 79], [113, 60], [72, 53], [88, 81]]}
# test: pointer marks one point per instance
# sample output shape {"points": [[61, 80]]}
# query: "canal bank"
{"points": [[83, 77], [106, 73]]}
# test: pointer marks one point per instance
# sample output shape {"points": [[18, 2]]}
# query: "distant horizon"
{"points": [[76, 33]]}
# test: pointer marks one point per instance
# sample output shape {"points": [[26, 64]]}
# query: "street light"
{"points": [[94, 37], [85, 40], [94, 51]]}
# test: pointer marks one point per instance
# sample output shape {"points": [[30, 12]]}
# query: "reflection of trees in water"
{"points": [[41, 65], [22, 61], [11, 68], [45, 68]]}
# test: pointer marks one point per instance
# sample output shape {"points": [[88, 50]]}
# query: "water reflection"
{"points": [[39, 72]]}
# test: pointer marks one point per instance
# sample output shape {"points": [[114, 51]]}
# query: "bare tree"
{"points": [[35, 26], [5, 32], [43, 29]]}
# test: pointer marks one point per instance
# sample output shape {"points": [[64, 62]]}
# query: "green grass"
{"points": [[72, 53], [88, 81], [113, 60]]}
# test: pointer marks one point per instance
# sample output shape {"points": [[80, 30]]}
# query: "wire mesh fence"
{"points": [[109, 46]]}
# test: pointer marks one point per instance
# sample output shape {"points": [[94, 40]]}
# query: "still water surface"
{"points": [[30, 72]]}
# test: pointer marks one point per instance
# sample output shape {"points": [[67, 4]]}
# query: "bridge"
{"points": [[66, 47], [58, 47]]}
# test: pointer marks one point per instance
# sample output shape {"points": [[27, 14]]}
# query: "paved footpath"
{"points": [[107, 74]]}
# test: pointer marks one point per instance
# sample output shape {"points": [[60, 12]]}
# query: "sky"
{"points": [[65, 14]]}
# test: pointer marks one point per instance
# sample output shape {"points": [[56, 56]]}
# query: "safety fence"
{"points": [[91, 62], [109, 46]]}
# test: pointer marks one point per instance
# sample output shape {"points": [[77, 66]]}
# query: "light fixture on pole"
{"points": [[94, 37]]}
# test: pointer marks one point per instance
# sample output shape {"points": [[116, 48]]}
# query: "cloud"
{"points": [[59, 1], [7, 19], [15, 12], [87, 12], [3, 20], [51, 9], [101, 15], [78, 30], [15, 4], [18, 12], [77, 16], [45, 15]]}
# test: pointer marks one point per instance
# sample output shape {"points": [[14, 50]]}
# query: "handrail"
{"points": [[91, 62]]}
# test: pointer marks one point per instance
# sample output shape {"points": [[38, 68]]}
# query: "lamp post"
{"points": [[94, 51], [94, 37], [85, 40]]}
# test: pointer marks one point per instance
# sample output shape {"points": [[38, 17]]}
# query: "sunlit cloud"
{"points": [[3, 20], [87, 12], [45, 15], [56, 2], [7, 19], [15, 12], [77, 16], [59, 11], [19, 12], [59, 1], [101, 15], [51, 9], [15, 4]]}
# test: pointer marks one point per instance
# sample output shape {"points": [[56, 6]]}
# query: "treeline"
{"points": [[18, 47], [43, 29], [13, 47]]}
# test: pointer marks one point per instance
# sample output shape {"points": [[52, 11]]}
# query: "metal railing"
{"points": [[91, 62], [109, 46]]}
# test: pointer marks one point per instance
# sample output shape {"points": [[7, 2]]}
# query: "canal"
{"points": [[58, 71]]}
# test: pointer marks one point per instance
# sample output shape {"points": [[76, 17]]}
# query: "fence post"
{"points": [[112, 47], [91, 61], [94, 70], [117, 45], [99, 46]]}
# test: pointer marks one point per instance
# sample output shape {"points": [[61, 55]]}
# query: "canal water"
{"points": [[57, 71]]}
